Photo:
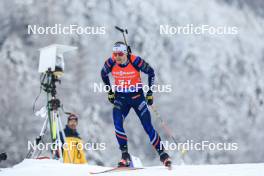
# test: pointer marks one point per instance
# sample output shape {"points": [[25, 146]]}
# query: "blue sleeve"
{"points": [[143, 66], [108, 65]]}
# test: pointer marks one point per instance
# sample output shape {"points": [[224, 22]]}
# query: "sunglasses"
{"points": [[72, 118], [119, 54]]}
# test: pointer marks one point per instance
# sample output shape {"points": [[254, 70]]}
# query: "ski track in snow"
{"points": [[32, 167]]}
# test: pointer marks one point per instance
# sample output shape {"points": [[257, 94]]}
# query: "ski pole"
{"points": [[166, 128]]}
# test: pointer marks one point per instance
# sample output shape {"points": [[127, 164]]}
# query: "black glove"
{"points": [[149, 98], [3, 157], [111, 96]]}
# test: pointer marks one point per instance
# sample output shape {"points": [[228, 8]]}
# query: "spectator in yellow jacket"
{"points": [[74, 142]]}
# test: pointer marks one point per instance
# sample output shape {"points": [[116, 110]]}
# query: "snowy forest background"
{"points": [[217, 81]]}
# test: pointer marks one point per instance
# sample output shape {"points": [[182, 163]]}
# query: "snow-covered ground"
{"points": [[48, 167]]}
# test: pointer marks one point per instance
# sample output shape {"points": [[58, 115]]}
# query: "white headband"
{"points": [[119, 47]]}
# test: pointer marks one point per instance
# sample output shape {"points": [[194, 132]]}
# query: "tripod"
{"points": [[52, 117]]}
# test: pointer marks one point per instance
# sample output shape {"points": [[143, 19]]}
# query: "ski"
{"points": [[117, 169]]}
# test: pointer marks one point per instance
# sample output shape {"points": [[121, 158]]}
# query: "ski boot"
{"points": [[125, 160], [165, 159]]}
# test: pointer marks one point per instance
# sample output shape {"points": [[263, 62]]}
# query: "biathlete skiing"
{"points": [[125, 68]]}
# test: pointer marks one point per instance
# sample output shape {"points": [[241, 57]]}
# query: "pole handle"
{"points": [[120, 29]]}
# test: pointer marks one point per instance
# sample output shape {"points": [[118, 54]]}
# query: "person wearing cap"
{"points": [[125, 68], [74, 142]]}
